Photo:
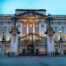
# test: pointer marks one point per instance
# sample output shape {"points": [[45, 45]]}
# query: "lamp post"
{"points": [[3, 43], [60, 43], [32, 45]]}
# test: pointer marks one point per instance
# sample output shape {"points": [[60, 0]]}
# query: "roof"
{"points": [[59, 17], [30, 9]]}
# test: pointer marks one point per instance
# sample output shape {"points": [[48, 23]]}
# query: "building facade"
{"points": [[32, 25]]}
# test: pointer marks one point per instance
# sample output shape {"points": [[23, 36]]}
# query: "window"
{"points": [[59, 23], [1, 23], [30, 30], [24, 29], [62, 28], [55, 28], [52, 22], [36, 28], [5, 28], [42, 25]]}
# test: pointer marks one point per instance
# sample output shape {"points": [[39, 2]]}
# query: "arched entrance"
{"points": [[32, 43]]}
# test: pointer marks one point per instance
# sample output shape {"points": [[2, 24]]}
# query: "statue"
{"points": [[50, 42], [14, 38]]}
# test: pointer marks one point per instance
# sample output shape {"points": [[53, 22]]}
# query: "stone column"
{"points": [[33, 28], [61, 48], [27, 28]]}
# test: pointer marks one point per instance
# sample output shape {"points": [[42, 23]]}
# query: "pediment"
{"points": [[30, 13], [23, 12]]}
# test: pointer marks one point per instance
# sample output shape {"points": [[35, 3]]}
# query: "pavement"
{"points": [[33, 61]]}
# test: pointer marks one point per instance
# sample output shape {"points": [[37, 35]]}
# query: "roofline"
{"points": [[6, 14], [30, 9]]}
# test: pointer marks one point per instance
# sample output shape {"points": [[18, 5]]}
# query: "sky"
{"points": [[52, 6]]}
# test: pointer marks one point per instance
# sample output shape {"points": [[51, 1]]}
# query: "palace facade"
{"points": [[26, 30]]}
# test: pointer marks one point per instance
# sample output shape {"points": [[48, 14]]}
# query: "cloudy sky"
{"points": [[52, 6]]}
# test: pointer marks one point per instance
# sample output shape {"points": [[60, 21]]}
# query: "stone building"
{"points": [[32, 25]]}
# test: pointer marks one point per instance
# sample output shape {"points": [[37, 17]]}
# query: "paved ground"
{"points": [[32, 61]]}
